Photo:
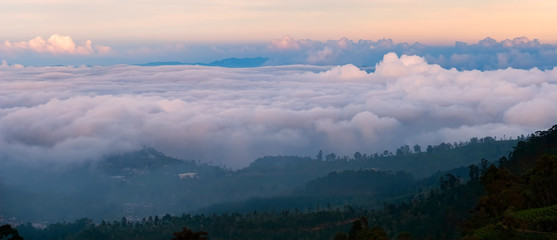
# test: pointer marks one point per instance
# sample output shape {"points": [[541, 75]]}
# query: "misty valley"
{"points": [[484, 188]]}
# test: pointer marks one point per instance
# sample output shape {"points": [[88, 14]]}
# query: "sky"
{"points": [[105, 32], [340, 76], [426, 21]]}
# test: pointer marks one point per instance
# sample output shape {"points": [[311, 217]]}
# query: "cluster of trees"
{"points": [[421, 163], [513, 199], [361, 230], [523, 185], [8, 233], [406, 150], [286, 224], [188, 234]]}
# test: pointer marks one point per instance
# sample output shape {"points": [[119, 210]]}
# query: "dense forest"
{"points": [[511, 197]]}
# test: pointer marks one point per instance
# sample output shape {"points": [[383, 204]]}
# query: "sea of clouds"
{"points": [[232, 116]]}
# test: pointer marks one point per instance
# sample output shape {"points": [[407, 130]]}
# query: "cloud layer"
{"points": [[55, 44], [487, 54], [232, 116]]}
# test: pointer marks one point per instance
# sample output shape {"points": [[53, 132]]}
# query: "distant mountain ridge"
{"points": [[227, 62], [146, 158]]}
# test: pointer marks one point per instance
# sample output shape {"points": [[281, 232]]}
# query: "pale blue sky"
{"points": [[427, 21]]}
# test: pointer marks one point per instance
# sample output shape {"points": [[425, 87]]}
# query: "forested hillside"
{"points": [[437, 207], [512, 198], [521, 195]]}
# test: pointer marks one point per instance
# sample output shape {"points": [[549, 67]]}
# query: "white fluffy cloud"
{"points": [[232, 116], [55, 44], [286, 43]]}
